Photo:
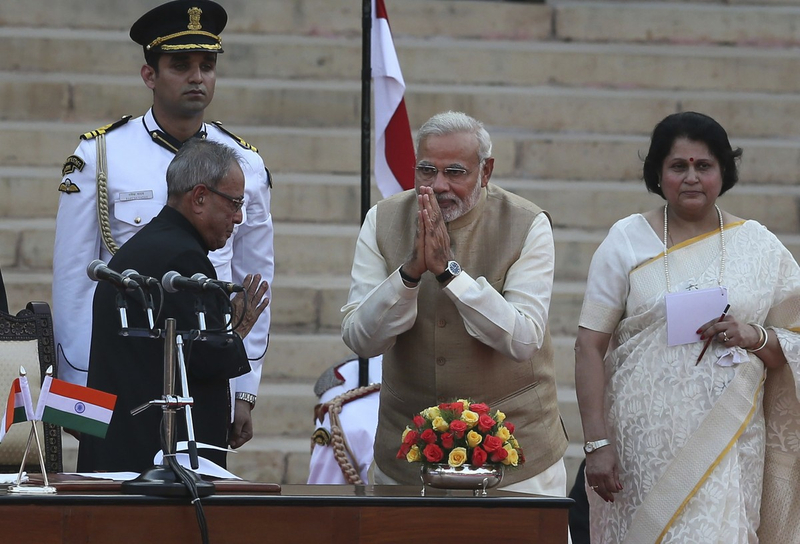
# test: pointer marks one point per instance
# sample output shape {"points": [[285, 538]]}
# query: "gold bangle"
{"points": [[763, 337]]}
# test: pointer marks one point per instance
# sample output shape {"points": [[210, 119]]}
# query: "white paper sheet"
{"points": [[688, 310]]}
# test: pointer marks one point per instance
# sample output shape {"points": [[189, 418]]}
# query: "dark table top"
{"points": [[78, 491]]}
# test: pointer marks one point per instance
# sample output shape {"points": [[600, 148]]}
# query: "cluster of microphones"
{"points": [[172, 281]]}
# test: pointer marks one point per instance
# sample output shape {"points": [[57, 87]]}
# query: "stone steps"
{"points": [[503, 62], [767, 22], [28, 243], [569, 91], [291, 103], [519, 153], [309, 17], [700, 23]]}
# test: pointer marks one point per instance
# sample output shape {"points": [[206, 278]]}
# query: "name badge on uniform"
{"points": [[135, 195]]}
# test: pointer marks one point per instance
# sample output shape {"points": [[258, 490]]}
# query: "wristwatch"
{"points": [[589, 447], [247, 397], [453, 269]]}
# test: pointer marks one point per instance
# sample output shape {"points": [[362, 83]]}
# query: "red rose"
{"points": [[485, 423], [428, 436], [419, 421], [492, 443], [411, 437], [433, 453], [479, 408], [510, 427], [458, 427], [447, 441], [457, 408], [444, 406], [404, 449], [498, 455], [478, 457]]}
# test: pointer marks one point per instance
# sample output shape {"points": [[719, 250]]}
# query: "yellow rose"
{"points": [[431, 413], [513, 442], [408, 430], [470, 418], [439, 424], [513, 456], [503, 434], [413, 454], [473, 439], [499, 416], [457, 457], [465, 403]]}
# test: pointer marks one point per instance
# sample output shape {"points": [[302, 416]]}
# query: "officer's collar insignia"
{"points": [[67, 186], [194, 19], [168, 141], [72, 163]]}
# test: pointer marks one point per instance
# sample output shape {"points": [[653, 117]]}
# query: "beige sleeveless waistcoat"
{"points": [[438, 361]]}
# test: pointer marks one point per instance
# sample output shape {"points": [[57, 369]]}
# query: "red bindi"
{"points": [[691, 159]]}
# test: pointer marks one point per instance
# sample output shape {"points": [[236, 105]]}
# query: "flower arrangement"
{"points": [[461, 433]]}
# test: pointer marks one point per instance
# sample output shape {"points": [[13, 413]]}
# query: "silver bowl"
{"points": [[478, 479]]}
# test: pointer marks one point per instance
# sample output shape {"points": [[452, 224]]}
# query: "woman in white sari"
{"points": [[675, 441]]}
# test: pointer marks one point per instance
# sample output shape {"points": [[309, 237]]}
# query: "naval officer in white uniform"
{"points": [[115, 183]]}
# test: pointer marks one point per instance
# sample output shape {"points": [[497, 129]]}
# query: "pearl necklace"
{"points": [[722, 244]]}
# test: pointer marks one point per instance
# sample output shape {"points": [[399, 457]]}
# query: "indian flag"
{"points": [[75, 407], [19, 407]]}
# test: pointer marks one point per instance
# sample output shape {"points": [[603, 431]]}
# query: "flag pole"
{"points": [[366, 122], [366, 103]]}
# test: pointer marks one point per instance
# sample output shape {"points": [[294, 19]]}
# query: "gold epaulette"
{"points": [[106, 129], [239, 141]]}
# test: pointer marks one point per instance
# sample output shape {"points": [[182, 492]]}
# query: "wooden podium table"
{"points": [[289, 514]]}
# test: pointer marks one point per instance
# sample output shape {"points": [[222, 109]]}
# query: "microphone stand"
{"points": [[162, 480], [122, 308]]}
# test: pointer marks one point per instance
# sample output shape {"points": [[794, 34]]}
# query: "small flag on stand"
{"points": [[394, 148], [75, 407], [19, 407]]}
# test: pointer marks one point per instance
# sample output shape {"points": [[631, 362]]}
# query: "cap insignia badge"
{"points": [[194, 18]]}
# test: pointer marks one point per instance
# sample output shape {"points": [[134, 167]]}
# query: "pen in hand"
{"points": [[708, 341]]}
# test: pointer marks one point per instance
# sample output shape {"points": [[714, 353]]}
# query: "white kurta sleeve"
{"points": [[378, 307], [512, 322]]}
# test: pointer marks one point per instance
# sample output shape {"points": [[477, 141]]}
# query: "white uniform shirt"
{"points": [[359, 420], [137, 190]]}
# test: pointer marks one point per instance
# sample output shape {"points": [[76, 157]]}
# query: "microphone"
{"points": [[228, 287], [97, 270], [172, 282], [147, 281]]}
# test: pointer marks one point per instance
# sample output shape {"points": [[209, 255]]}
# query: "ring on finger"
{"points": [[725, 336], [594, 487]]}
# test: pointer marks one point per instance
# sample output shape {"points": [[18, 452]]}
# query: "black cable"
{"points": [[188, 482]]}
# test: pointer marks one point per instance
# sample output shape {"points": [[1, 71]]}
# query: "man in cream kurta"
{"points": [[476, 325]]}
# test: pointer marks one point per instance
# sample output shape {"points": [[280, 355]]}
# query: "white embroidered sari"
{"points": [[690, 439]]}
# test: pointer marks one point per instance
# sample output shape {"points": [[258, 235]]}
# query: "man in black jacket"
{"points": [[205, 196]]}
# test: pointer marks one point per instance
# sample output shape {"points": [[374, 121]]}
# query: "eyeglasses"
{"points": [[428, 172], [237, 202]]}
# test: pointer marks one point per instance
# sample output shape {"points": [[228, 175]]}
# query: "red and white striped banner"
{"points": [[394, 148]]}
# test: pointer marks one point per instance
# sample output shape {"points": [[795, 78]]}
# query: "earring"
{"points": [[200, 200]]}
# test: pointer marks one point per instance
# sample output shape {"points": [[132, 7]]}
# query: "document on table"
{"points": [[689, 310]]}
